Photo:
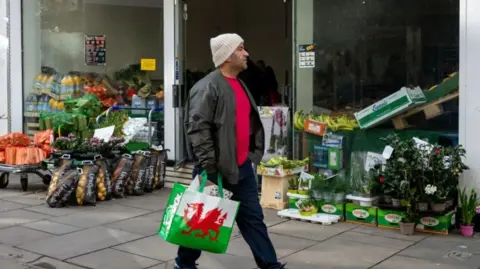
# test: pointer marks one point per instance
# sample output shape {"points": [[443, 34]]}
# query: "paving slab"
{"points": [[399, 262], [19, 216], [52, 227], [17, 254], [19, 235], [390, 233], [271, 219], [337, 253], [140, 225], [161, 266], [151, 201], [48, 263], [7, 206], [113, 259], [100, 216], [79, 243], [284, 246], [29, 199], [58, 212], [445, 250], [375, 240], [153, 247], [310, 231], [10, 192], [213, 261]]}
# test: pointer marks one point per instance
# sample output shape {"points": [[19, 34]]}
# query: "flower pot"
{"points": [[317, 195], [407, 228], [466, 230], [449, 203], [309, 213], [293, 191], [396, 202], [339, 198], [366, 203], [303, 192], [422, 206], [387, 199], [438, 207], [328, 197]]}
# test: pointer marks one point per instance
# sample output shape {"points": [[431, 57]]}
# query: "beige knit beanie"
{"points": [[223, 46]]}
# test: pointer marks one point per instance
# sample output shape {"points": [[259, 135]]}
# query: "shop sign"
{"points": [[148, 64], [315, 127], [306, 56], [95, 50]]}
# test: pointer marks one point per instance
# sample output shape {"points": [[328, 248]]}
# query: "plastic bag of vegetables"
{"points": [[60, 194], [66, 164], [104, 184], [121, 175], [86, 192], [136, 181]]}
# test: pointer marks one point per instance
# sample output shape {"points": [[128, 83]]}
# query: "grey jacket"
{"points": [[210, 127]]}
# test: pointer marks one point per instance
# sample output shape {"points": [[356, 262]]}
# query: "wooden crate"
{"points": [[274, 192], [430, 111]]}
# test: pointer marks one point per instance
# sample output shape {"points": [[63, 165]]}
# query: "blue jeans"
{"points": [[249, 220]]}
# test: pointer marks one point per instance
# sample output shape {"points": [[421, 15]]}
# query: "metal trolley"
{"points": [[149, 117], [23, 171]]}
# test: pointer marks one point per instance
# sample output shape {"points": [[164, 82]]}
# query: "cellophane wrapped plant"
{"points": [[402, 175]]}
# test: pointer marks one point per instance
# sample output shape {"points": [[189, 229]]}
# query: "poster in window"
{"points": [[95, 50], [306, 56]]}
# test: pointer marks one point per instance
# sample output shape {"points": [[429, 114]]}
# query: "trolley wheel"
{"points": [[47, 179], [4, 180], [24, 182]]}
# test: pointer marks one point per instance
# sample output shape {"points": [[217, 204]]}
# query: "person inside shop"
{"points": [[225, 136], [254, 80], [271, 82]]}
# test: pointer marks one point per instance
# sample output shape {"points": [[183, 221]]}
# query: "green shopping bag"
{"points": [[196, 220]]}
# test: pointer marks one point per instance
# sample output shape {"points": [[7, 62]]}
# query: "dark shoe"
{"points": [[178, 267]]}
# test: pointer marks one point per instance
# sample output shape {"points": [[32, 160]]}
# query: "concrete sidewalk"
{"points": [[121, 234]]}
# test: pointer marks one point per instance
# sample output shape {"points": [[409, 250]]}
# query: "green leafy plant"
{"points": [[292, 184], [468, 206]]}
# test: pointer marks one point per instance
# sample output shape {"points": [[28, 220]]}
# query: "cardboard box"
{"points": [[332, 209], [389, 107], [436, 224], [389, 218], [361, 214]]}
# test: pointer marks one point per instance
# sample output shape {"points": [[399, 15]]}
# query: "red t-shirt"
{"points": [[242, 114]]}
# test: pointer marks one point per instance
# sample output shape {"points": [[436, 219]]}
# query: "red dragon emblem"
{"points": [[212, 221]]}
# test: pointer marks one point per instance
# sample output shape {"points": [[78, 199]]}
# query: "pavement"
{"points": [[121, 234]]}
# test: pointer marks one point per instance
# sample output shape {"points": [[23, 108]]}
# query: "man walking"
{"points": [[225, 135]]}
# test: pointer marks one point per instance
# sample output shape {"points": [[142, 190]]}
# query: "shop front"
{"points": [[346, 57]]}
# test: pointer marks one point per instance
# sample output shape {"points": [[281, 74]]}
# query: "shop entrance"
{"points": [[266, 28]]}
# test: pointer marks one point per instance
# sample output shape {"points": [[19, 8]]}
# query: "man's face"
{"points": [[238, 60]]}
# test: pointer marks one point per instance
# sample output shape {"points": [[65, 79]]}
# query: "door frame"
{"points": [[173, 33]]}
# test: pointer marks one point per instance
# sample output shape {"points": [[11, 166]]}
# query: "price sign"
{"points": [[315, 127]]}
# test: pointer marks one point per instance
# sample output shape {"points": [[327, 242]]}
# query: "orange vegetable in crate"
{"points": [[13, 140], [43, 137], [10, 155]]}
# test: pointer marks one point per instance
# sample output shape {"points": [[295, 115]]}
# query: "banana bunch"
{"points": [[285, 163], [342, 122]]}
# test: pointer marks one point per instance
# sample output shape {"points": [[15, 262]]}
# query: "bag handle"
{"points": [[204, 177]]}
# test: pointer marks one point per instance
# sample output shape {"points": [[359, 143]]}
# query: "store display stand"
{"points": [[318, 218]]}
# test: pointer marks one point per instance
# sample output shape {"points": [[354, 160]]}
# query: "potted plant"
{"points": [[409, 191], [468, 208], [307, 208], [293, 185], [318, 184], [328, 190], [303, 187]]}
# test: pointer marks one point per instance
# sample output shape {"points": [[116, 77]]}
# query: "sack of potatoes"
{"points": [[104, 185], [150, 177], [136, 181], [65, 165], [121, 175], [86, 192], [66, 186]]}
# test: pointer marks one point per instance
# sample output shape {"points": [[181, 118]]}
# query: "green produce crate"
{"points": [[361, 214], [389, 218], [429, 223]]}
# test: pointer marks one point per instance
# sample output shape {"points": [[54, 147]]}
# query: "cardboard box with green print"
{"points": [[361, 214], [433, 224]]}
